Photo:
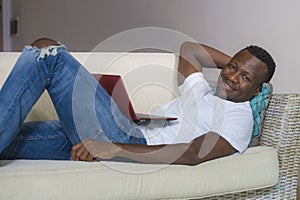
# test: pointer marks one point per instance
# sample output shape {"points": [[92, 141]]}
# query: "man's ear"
{"points": [[258, 90]]}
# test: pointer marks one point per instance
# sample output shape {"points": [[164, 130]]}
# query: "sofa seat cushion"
{"points": [[256, 168]]}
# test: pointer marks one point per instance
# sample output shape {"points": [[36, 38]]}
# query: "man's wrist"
{"points": [[118, 150]]}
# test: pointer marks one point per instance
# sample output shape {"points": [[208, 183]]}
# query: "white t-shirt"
{"points": [[198, 112]]}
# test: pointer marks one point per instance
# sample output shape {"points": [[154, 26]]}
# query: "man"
{"points": [[116, 136]]}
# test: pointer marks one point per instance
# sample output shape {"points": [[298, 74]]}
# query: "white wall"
{"points": [[6, 16], [273, 24], [228, 25]]}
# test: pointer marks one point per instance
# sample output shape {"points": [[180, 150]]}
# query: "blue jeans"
{"points": [[84, 108]]}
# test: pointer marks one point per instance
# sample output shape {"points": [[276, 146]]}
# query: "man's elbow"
{"points": [[212, 147], [186, 47], [192, 156]]}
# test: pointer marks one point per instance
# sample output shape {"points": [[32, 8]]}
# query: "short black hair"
{"points": [[265, 57]]}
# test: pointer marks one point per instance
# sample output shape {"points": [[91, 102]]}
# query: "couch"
{"points": [[267, 171]]}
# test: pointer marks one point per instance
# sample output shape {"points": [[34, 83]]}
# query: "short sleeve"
{"points": [[238, 128], [195, 81], [236, 123]]}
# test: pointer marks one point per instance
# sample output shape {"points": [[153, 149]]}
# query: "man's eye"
{"points": [[245, 78], [232, 66]]}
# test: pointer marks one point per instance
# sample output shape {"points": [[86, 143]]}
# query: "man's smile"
{"points": [[228, 85]]}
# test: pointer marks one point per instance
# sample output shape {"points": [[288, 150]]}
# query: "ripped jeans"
{"points": [[84, 108]]}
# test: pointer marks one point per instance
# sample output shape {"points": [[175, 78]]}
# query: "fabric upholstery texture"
{"points": [[41, 179]]}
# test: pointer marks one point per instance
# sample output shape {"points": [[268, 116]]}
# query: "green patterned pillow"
{"points": [[259, 105]]}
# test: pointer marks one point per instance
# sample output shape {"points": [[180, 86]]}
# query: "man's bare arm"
{"points": [[194, 56], [201, 149]]}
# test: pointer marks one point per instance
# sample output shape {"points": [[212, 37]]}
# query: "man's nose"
{"points": [[233, 77]]}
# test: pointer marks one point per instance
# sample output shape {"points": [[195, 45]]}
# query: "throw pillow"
{"points": [[259, 105]]}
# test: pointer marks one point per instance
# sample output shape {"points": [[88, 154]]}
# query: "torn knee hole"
{"points": [[44, 42]]}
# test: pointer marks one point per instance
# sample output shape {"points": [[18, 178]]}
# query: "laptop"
{"points": [[115, 87]]}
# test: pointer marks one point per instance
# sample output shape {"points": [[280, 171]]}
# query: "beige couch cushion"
{"points": [[21, 179]]}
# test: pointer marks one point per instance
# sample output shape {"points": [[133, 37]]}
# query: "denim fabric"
{"points": [[83, 107], [39, 140]]}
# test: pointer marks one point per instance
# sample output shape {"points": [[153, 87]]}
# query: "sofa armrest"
{"points": [[281, 130]]}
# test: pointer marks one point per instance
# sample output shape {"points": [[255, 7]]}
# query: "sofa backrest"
{"points": [[150, 78]]}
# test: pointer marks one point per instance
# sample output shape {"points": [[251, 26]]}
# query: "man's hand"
{"points": [[90, 149]]}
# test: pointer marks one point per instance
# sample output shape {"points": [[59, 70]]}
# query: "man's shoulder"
{"points": [[236, 107], [194, 77]]}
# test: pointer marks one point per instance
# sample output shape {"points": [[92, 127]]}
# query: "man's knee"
{"points": [[44, 42]]}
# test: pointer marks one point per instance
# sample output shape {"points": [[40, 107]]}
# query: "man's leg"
{"points": [[39, 140], [21, 90], [67, 82], [84, 107]]}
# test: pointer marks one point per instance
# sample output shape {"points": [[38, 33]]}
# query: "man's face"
{"points": [[241, 78]]}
